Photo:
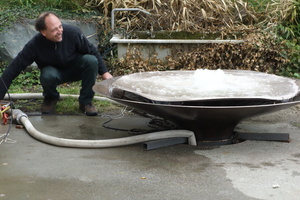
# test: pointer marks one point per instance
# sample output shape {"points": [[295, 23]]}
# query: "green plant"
{"points": [[67, 105], [69, 88], [59, 4], [25, 2], [291, 52], [28, 79]]}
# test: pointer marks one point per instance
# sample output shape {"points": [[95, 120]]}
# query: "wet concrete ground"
{"points": [[30, 169]]}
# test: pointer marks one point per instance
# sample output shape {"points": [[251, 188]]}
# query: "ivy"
{"points": [[27, 79]]}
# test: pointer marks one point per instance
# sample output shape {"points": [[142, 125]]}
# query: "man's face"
{"points": [[54, 29]]}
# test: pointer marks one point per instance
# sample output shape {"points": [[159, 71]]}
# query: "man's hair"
{"points": [[40, 21]]}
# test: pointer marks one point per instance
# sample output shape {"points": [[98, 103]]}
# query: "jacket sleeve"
{"points": [[86, 47], [19, 63]]}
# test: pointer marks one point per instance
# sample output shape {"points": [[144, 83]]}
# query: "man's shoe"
{"points": [[48, 106], [88, 109]]}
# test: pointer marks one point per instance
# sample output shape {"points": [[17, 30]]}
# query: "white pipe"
{"points": [[22, 118], [116, 39], [40, 96]]}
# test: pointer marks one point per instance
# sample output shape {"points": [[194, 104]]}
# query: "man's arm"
{"points": [[89, 48], [19, 63]]}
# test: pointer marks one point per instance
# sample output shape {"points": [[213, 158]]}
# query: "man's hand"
{"points": [[106, 76]]}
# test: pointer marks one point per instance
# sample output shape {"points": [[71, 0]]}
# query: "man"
{"points": [[63, 54]]}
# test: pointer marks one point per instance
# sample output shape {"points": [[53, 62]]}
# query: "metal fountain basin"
{"points": [[211, 118]]}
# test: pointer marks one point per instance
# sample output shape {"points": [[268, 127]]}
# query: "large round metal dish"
{"points": [[211, 119]]}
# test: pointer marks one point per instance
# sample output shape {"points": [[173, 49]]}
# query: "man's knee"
{"points": [[48, 75], [90, 61]]}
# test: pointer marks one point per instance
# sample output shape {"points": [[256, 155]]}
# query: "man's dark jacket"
{"points": [[47, 53]]}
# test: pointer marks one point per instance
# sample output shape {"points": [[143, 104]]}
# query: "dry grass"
{"points": [[196, 15], [284, 10], [177, 15], [259, 52]]}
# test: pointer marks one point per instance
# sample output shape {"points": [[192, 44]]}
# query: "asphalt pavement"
{"points": [[31, 169]]}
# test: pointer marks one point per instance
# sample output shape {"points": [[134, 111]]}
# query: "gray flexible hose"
{"points": [[22, 118]]}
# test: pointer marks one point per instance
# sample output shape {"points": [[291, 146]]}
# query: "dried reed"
{"points": [[177, 15]]}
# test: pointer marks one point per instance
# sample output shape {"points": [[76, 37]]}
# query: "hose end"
{"points": [[17, 114]]}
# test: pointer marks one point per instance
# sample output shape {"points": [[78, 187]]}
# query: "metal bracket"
{"points": [[280, 137], [155, 144]]}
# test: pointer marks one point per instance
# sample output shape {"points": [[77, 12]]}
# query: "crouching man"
{"points": [[63, 54]]}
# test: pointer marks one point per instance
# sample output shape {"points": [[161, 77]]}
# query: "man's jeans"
{"points": [[84, 68]]}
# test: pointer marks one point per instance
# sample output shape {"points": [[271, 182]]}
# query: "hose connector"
{"points": [[17, 114]]}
